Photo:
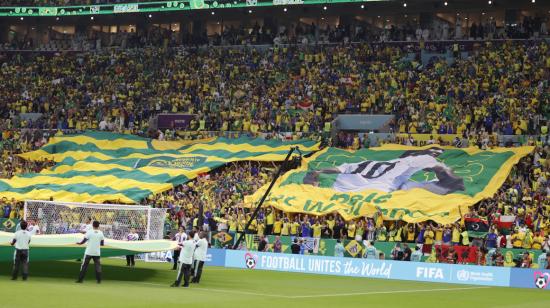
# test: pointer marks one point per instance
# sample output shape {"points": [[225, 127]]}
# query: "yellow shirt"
{"points": [[379, 221], [398, 235], [517, 240], [351, 230], [330, 224], [439, 235], [286, 227], [527, 243], [241, 224], [294, 227], [455, 236], [429, 237], [410, 236], [537, 242], [252, 226], [261, 229], [277, 227], [269, 218], [316, 230], [465, 238]]}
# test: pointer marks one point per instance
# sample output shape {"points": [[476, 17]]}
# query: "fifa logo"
{"points": [[429, 273]]}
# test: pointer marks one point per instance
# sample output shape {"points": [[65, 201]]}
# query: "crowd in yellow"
{"points": [[501, 87]]}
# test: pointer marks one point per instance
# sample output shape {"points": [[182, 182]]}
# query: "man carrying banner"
{"points": [[180, 237], [199, 257], [95, 240], [21, 241], [393, 174], [132, 236], [185, 261]]}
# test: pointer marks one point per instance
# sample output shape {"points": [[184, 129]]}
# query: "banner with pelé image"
{"points": [[403, 183]]}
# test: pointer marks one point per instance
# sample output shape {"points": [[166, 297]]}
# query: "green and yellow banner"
{"points": [[106, 167], [64, 247], [8, 224], [402, 183]]}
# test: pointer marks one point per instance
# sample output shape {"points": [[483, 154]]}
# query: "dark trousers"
{"points": [[20, 259], [268, 229], [176, 257], [185, 272], [84, 267], [130, 260], [197, 271]]}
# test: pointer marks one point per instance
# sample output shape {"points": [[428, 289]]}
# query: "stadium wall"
{"points": [[384, 269]]}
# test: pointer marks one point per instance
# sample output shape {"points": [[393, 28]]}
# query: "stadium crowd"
{"points": [[523, 197], [500, 88], [221, 194], [282, 89]]}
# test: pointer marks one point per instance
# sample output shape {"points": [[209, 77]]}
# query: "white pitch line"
{"points": [[320, 295], [386, 292], [220, 290], [243, 292]]}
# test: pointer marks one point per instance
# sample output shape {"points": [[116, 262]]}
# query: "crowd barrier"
{"points": [[383, 269], [375, 138], [352, 248]]}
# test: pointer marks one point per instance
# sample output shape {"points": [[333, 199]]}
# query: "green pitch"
{"points": [[51, 284]]}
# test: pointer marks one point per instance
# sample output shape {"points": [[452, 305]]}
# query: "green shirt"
{"points": [[371, 252], [416, 256]]}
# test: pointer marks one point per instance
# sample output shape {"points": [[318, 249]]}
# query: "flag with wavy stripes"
{"points": [[100, 166]]}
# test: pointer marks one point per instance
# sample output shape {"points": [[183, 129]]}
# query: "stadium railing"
{"points": [[433, 46], [503, 140], [354, 249]]}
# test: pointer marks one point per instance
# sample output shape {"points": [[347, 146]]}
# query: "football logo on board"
{"points": [[250, 260], [542, 279]]}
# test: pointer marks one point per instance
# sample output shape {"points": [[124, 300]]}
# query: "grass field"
{"points": [[51, 284]]}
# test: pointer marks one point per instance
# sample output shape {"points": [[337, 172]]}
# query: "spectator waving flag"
{"points": [[477, 227], [505, 223], [305, 104]]}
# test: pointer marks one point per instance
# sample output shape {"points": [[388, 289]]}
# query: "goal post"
{"points": [[116, 220]]}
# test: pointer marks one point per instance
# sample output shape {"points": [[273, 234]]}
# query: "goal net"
{"points": [[116, 220]]}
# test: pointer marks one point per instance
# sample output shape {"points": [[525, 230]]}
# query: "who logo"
{"points": [[463, 275]]}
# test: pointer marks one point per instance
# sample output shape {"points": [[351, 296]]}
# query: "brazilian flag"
{"points": [[117, 168]]}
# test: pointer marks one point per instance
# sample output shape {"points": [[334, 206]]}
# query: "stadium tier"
{"points": [[78, 8], [404, 140]]}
